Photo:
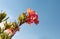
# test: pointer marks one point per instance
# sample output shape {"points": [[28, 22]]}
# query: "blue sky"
{"points": [[49, 17]]}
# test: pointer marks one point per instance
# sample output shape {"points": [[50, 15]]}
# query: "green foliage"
{"points": [[1, 30], [22, 18], [7, 25], [19, 20], [2, 16], [4, 36], [14, 24]]}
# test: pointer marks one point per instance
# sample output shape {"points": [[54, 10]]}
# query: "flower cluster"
{"points": [[32, 17]]}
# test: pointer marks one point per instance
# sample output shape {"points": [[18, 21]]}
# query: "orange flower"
{"points": [[32, 17], [29, 11]]}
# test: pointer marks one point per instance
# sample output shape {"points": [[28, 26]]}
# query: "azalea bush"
{"points": [[8, 29]]}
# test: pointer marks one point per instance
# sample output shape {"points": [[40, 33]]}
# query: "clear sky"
{"points": [[49, 17]]}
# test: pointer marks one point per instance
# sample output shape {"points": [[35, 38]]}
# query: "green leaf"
{"points": [[22, 18], [2, 16], [7, 25], [14, 25], [5, 36]]}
